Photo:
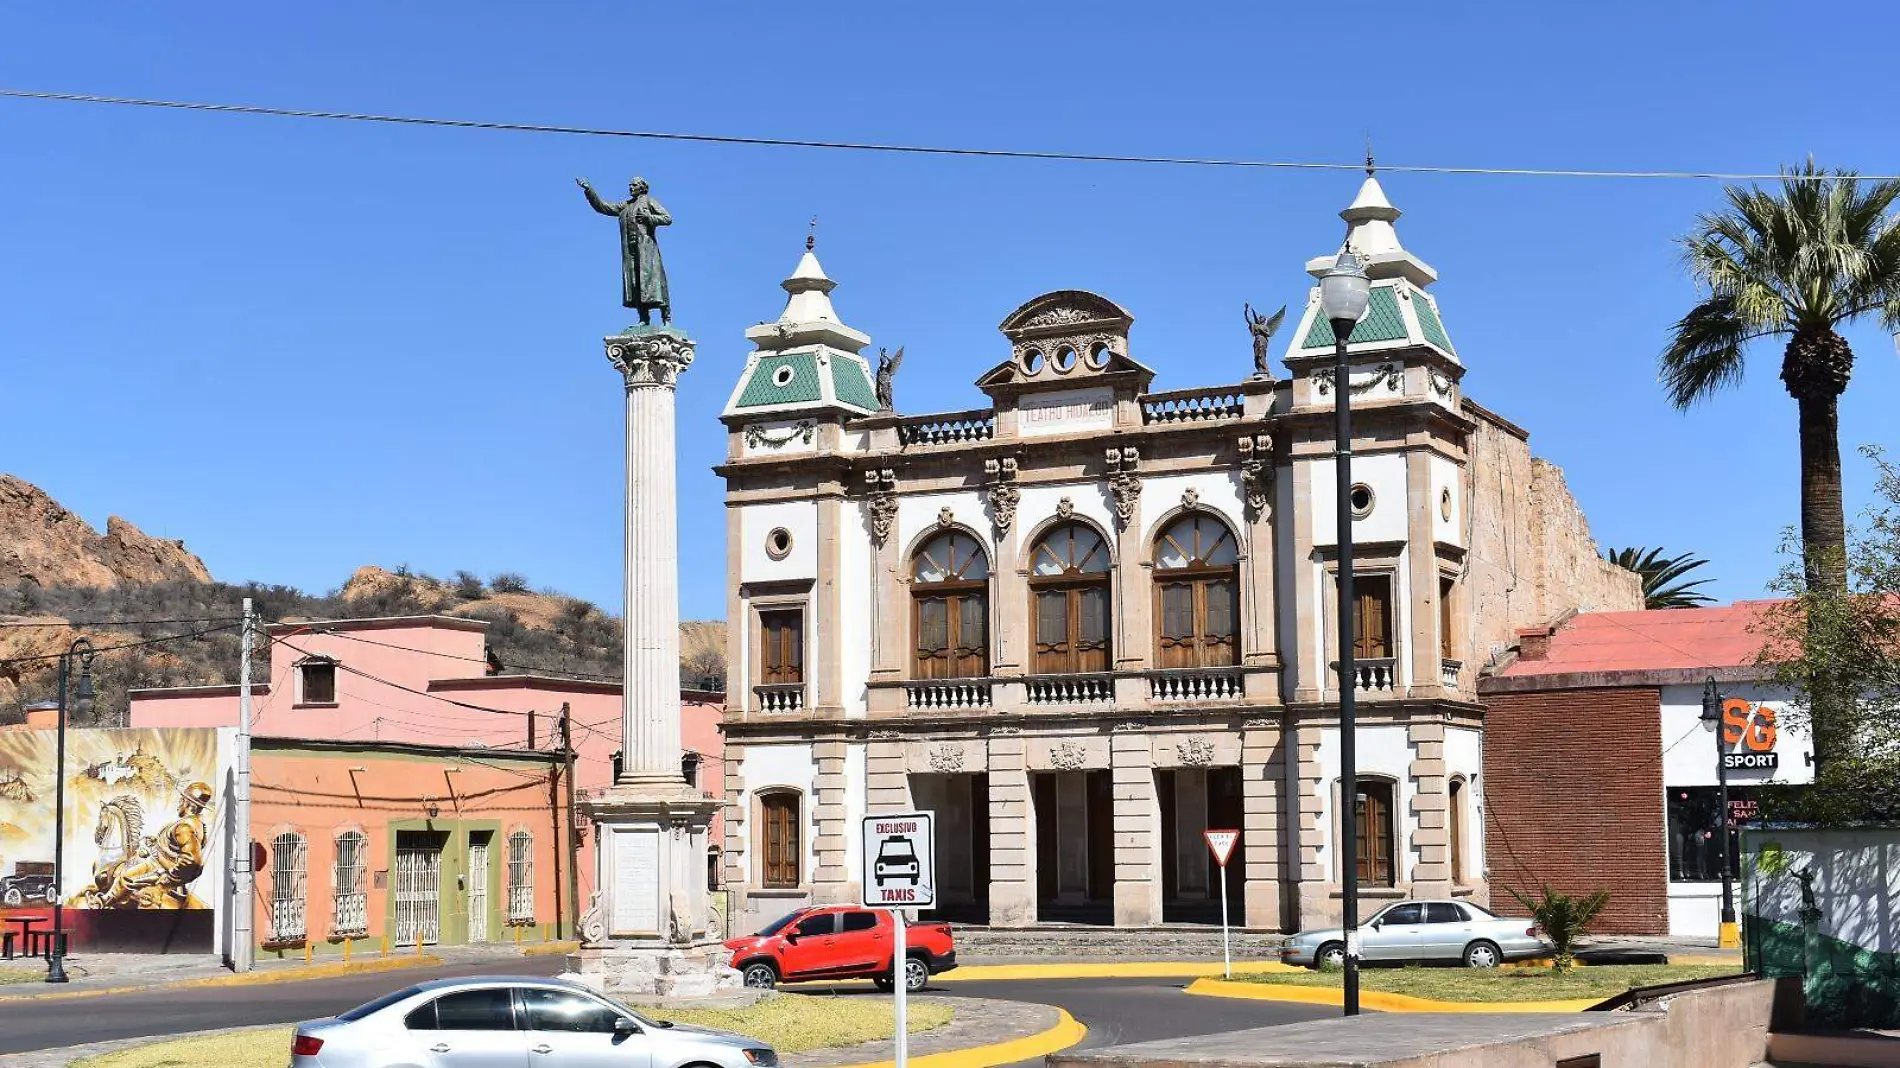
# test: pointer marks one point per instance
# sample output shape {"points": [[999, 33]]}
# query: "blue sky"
{"points": [[306, 346]]}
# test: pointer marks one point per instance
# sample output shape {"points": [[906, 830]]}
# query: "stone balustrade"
{"points": [[948, 428], [780, 698], [1068, 691], [947, 695], [1449, 670], [1193, 405], [1196, 684], [1376, 677]]}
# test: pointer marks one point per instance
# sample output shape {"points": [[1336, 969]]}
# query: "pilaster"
{"points": [[1263, 767], [1138, 857], [1431, 839], [830, 880], [1012, 889]]}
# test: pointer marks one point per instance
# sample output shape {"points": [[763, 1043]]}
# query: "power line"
{"points": [[872, 146], [96, 623], [121, 646]]}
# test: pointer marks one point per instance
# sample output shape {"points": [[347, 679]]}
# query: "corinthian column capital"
{"points": [[650, 357]]}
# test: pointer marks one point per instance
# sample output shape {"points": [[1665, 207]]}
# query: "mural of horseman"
{"points": [[136, 872]]}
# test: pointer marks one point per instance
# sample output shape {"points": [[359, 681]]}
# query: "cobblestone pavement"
{"points": [[978, 1022]]}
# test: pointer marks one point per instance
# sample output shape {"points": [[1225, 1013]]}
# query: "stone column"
{"points": [[1265, 829], [1012, 886], [651, 361], [1138, 857], [648, 932]]}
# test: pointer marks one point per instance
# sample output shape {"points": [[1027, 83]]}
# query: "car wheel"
{"points": [[13, 897], [916, 974], [1482, 955], [760, 976], [52, 895], [1330, 955]]}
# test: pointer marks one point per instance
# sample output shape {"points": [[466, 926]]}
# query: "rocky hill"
{"points": [[55, 569], [44, 544]]}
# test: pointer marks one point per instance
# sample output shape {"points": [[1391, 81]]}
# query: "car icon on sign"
{"points": [[896, 861]]}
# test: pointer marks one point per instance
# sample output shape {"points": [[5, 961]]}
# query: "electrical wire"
{"points": [[95, 623], [872, 146], [162, 639], [582, 675]]}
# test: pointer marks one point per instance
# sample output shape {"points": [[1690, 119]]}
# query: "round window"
{"points": [[1444, 504], [1032, 361], [1065, 359], [784, 375], [778, 543], [1099, 354], [1361, 498]]}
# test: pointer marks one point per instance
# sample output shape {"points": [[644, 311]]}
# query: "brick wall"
{"points": [[1574, 798]]}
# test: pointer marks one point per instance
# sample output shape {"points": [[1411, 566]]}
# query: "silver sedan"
{"points": [[1424, 931], [509, 1022]]}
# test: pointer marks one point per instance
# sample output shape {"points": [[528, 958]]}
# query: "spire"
{"points": [[808, 314], [1370, 233]]}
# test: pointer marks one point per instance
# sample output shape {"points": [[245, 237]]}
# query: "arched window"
{"points": [[1196, 580], [521, 877], [950, 609], [287, 868], [350, 888], [779, 839], [1068, 584], [1455, 824]]}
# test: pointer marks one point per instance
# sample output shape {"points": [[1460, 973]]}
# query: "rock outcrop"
{"points": [[43, 544]]}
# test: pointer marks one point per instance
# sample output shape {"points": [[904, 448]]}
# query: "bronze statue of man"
{"points": [[642, 275]]}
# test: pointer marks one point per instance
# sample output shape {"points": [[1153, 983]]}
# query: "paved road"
{"points": [[1114, 1010]]}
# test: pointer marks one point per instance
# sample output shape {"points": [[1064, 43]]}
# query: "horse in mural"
{"points": [[119, 835], [134, 871]]}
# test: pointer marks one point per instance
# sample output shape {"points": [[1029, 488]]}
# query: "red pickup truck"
{"points": [[841, 942]]}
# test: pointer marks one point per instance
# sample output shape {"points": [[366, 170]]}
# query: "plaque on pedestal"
{"points": [[636, 883]]}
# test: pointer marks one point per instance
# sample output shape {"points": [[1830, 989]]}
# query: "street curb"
{"points": [[1108, 970], [1375, 999], [273, 975], [550, 949], [1066, 1032]]}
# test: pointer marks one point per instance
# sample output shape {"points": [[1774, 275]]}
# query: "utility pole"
{"points": [[1727, 936], [573, 841], [243, 943]]}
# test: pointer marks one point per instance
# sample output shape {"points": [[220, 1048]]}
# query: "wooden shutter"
{"points": [[1091, 628], [1372, 621], [782, 646], [1444, 618], [933, 637], [1219, 619], [779, 834], [1374, 833], [971, 647], [1456, 823], [1052, 631]]}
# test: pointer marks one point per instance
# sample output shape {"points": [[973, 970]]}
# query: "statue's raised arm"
{"points": [[593, 199], [642, 275]]}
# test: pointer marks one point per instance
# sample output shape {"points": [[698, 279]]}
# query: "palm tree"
{"points": [[1798, 264], [1564, 920], [1662, 587]]}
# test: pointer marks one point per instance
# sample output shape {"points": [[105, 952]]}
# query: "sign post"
{"points": [[899, 857], [1222, 844]]}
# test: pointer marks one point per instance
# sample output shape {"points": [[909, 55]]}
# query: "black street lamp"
{"points": [[81, 648], [1712, 714], [1343, 294]]}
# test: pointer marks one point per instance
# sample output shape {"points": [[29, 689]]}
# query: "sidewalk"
{"points": [[96, 973]]}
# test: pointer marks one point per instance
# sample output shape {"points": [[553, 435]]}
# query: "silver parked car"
{"points": [[511, 1022], [1424, 931]]}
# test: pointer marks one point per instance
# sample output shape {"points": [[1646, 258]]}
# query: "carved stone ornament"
{"points": [[593, 926], [1258, 724], [1195, 752], [884, 736], [1068, 756], [1003, 495], [756, 435], [1060, 315], [1065, 508], [1441, 385], [1190, 499], [1123, 483], [652, 358], [945, 516], [882, 487], [1004, 732], [1390, 375], [1130, 725], [1256, 472], [946, 758]]}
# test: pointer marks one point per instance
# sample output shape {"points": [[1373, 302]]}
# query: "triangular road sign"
{"points": [[1222, 843]]}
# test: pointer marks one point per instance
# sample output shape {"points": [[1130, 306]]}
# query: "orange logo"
{"points": [[1750, 725]]}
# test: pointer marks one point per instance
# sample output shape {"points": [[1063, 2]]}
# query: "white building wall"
{"points": [[1090, 498], [1384, 473], [856, 775], [758, 520], [765, 767], [1385, 752], [1464, 755], [1219, 491], [919, 513], [856, 596], [1447, 478]]}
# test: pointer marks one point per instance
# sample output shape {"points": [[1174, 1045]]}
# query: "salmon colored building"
{"points": [[402, 794]]}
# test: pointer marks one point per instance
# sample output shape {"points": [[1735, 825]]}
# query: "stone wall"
{"points": [[1532, 559]]}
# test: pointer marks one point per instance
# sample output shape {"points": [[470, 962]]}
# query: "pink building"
{"points": [[400, 791]]}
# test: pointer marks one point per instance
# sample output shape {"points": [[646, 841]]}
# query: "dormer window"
{"points": [[316, 682]]}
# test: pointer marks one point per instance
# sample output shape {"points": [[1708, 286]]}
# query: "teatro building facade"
{"points": [[1093, 619]]}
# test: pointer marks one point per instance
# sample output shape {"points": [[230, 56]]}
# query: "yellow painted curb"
{"points": [[1108, 970], [1705, 960], [1067, 1032], [550, 949], [272, 975], [1375, 999]]}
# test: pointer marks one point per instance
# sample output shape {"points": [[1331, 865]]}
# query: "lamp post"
{"points": [[81, 648], [1726, 935], [1343, 294]]}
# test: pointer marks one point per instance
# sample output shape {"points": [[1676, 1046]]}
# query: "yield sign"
{"points": [[1222, 843]]}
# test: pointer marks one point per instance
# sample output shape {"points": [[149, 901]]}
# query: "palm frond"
{"points": [[1706, 352], [1662, 576]]}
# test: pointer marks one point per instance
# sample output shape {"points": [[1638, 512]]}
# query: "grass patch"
{"points": [[21, 975], [790, 1023], [1504, 984]]}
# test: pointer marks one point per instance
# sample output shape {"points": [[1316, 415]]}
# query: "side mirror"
{"points": [[791, 936], [1376, 924], [624, 1027]]}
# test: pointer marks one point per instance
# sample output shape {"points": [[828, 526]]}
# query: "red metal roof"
{"points": [[1722, 636]]}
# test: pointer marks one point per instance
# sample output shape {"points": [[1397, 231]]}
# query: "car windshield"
{"points": [[779, 924], [379, 1004]]}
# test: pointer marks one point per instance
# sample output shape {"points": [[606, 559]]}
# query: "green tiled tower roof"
{"points": [[1382, 322], [763, 389]]}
